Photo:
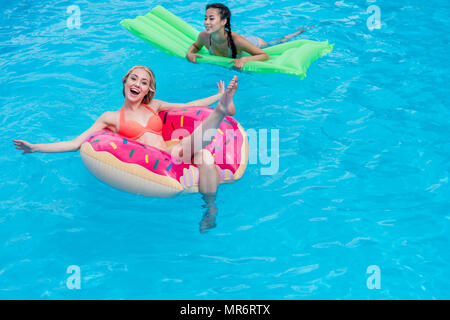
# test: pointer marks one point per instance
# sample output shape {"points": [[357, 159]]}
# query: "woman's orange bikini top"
{"points": [[134, 130]]}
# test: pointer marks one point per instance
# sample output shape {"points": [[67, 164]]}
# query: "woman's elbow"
{"points": [[75, 145]]}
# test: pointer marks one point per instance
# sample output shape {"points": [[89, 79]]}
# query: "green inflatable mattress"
{"points": [[174, 36]]}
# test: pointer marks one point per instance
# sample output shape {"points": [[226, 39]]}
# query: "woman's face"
{"points": [[137, 85], [212, 21]]}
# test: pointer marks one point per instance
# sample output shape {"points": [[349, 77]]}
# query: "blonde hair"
{"points": [[151, 93]]}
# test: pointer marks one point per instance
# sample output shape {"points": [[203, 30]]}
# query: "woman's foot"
{"points": [[208, 220], [226, 105]]}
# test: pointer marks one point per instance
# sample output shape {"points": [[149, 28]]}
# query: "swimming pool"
{"points": [[362, 177]]}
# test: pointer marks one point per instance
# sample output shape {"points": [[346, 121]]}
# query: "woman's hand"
{"points": [[25, 146], [221, 87], [193, 56], [238, 63]]}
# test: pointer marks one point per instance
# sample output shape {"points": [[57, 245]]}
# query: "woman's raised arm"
{"points": [[102, 122], [164, 106]]}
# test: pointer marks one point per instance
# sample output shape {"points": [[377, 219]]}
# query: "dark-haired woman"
{"points": [[221, 41]]}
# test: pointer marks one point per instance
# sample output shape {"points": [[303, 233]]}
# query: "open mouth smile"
{"points": [[134, 92]]}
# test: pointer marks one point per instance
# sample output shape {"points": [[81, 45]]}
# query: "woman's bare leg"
{"points": [[208, 175], [186, 148], [286, 37], [192, 148], [209, 217], [208, 183], [262, 43]]}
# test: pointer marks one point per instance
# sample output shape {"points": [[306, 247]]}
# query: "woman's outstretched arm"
{"points": [[102, 122], [164, 106]]}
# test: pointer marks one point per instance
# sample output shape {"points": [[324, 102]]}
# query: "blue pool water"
{"points": [[363, 159]]}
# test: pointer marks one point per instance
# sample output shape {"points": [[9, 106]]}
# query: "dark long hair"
{"points": [[225, 13]]}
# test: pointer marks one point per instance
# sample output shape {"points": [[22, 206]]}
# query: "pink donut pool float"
{"points": [[137, 168]]}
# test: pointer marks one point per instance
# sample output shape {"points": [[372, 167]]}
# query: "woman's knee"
{"points": [[204, 158]]}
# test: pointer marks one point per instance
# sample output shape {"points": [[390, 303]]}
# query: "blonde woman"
{"points": [[138, 120]]}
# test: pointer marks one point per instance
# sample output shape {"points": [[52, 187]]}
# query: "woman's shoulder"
{"points": [[203, 36], [235, 34], [237, 38], [110, 117], [156, 104], [108, 114]]}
